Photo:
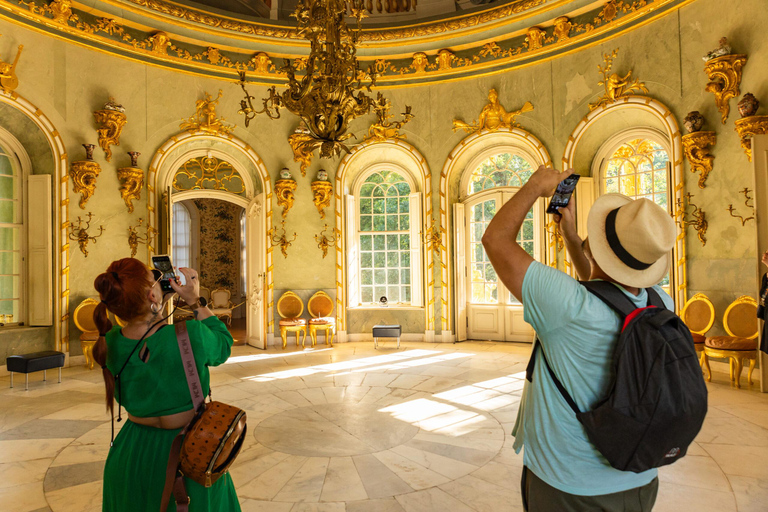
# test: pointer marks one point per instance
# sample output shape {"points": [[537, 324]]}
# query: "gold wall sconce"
{"points": [[384, 129], [324, 242], [750, 125], [84, 174], [279, 239], [80, 234], [111, 120], [322, 192], [556, 239], [724, 71], [696, 146], [134, 239], [284, 188], [8, 79], [699, 223], [432, 238], [747, 199], [131, 181]]}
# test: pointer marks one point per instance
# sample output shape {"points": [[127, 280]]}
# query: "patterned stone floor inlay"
{"points": [[351, 429]]}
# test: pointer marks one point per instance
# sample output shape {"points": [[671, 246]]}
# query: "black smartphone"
{"points": [[162, 262], [563, 193]]}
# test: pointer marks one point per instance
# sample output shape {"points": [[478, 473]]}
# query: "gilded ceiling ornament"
{"points": [[330, 93], [261, 63], [445, 59], [284, 188], [84, 174], [609, 12], [747, 199], [61, 10], [134, 239], [699, 223], [420, 62], [749, 126], [493, 116], [131, 181], [208, 172], [205, 120], [322, 192], [111, 120], [615, 86], [384, 129], [214, 57], [160, 42], [8, 79], [80, 234], [563, 28], [303, 144], [535, 38], [724, 79], [696, 149]]}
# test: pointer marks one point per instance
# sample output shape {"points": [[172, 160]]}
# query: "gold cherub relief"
{"points": [[8, 79], [615, 86], [205, 119], [493, 116]]}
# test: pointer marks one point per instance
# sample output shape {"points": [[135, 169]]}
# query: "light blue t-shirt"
{"points": [[579, 334]]}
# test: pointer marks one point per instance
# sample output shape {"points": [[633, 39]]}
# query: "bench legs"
{"points": [[11, 379], [26, 379], [26, 382]]}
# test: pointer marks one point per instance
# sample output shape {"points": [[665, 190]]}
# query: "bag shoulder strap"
{"points": [[611, 296], [564, 392], [190, 368]]}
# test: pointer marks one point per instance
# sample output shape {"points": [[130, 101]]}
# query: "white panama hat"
{"points": [[630, 239]]}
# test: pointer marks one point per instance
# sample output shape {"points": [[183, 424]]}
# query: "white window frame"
{"points": [[176, 248], [22, 170], [605, 153], [416, 222]]}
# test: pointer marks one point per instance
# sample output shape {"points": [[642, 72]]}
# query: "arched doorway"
{"points": [[209, 170]]}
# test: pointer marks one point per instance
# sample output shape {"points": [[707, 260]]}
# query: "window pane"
{"points": [[10, 263], [366, 224], [366, 206], [6, 168], [366, 294], [502, 170], [366, 277], [182, 236], [366, 260], [366, 242]]}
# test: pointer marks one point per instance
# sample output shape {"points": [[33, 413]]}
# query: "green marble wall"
{"points": [[68, 83]]}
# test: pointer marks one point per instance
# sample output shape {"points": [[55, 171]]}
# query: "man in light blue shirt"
{"points": [[628, 245]]}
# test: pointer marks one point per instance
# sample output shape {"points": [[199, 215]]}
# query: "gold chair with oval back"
{"points": [[740, 322], [320, 307], [699, 315], [290, 307], [83, 317]]}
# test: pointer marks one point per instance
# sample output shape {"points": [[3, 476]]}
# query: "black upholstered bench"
{"points": [[386, 331], [34, 362]]}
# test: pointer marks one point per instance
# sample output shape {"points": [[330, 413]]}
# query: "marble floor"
{"points": [[349, 428]]}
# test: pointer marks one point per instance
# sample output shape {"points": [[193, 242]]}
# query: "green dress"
{"points": [[134, 473]]}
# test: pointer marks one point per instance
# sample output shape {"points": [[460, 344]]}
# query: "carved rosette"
{"points": [[322, 193], [84, 174], [696, 148], [284, 189], [747, 127], [724, 79], [131, 182], [111, 124]]}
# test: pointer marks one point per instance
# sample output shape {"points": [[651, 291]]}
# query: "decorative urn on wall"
{"points": [[284, 188], [322, 192], [748, 105], [693, 121], [696, 146], [750, 124], [84, 174]]}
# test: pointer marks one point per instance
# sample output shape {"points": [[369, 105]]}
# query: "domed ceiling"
{"points": [[409, 42]]}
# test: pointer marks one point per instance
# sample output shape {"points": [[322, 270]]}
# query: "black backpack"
{"points": [[658, 401]]}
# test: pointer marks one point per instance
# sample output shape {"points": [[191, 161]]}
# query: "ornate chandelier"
{"points": [[330, 93]]}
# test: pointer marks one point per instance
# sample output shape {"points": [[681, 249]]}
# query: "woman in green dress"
{"points": [[151, 385]]}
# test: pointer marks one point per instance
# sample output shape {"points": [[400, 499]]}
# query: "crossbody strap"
{"points": [[559, 385], [190, 368]]}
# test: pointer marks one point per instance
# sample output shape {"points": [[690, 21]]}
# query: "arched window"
{"points": [[11, 239], [503, 170], [637, 165], [182, 236], [385, 248]]}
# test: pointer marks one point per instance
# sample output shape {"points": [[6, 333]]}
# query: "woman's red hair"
{"points": [[123, 290]]}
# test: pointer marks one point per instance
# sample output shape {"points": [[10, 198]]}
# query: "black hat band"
{"points": [[617, 248]]}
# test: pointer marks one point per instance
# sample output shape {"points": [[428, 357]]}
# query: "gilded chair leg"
{"points": [[737, 371], [329, 337], [752, 364], [313, 336], [705, 364], [730, 368], [284, 335]]}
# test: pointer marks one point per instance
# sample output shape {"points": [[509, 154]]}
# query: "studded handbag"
{"points": [[206, 448]]}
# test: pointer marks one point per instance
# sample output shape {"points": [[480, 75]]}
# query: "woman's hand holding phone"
{"points": [[190, 291]]}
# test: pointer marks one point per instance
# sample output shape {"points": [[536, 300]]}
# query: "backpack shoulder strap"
{"points": [[559, 385], [654, 299], [611, 296]]}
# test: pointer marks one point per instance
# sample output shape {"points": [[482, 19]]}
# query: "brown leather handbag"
{"points": [[208, 445]]}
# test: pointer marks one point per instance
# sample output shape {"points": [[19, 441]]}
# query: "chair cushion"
{"points": [[293, 321], [323, 320], [698, 338], [221, 311], [731, 343]]}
